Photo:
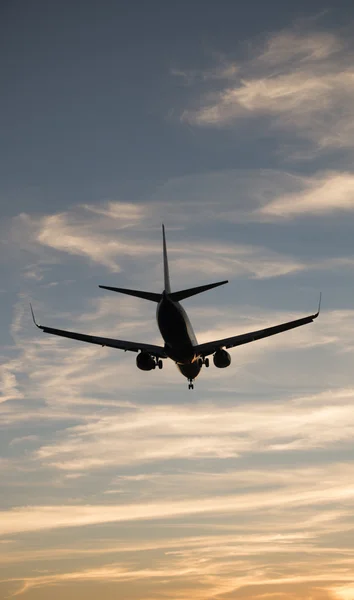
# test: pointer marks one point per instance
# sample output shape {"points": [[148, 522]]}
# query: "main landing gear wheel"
{"points": [[160, 363], [203, 361]]}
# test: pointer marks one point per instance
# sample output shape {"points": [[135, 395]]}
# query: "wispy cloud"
{"points": [[325, 193], [78, 234], [301, 81], [92, 234], [168, 434], [38, 518], [303, 46], [225, 559], [223, 577]]}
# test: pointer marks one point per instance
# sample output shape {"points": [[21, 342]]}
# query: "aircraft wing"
{"points": [[157, 351], [252, 336]]}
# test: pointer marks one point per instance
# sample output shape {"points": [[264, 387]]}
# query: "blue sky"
{"points": [[233, 125]]}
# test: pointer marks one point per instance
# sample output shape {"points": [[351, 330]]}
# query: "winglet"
{"points": [[33, 317], [319, 307]]}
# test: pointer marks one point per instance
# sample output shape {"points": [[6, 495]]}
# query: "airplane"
{"points": [[181, 344]]}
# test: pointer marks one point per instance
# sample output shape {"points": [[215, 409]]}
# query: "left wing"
{"points": [[157, 351], [245, 338]]}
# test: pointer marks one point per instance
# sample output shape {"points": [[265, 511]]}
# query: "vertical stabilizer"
{"points": [[165, 264]]}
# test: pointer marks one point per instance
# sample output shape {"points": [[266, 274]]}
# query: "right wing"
{"points": [[157, 351], [252, 336]]}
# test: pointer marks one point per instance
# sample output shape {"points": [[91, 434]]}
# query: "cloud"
{"points": [[234, 260], [325, 193], [125, 214], [295, 590], [222, 577], [225, 561], [213, 545], [301, 81], [290, 45], [9, 383], [283, 94], [266, 197], [77, 236], [170, 433], [24, 439], [271, 539], [107, 573], [39, 518]]}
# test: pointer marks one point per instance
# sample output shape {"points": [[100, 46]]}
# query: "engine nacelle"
{"points": [[145, 362], [222, 359]]}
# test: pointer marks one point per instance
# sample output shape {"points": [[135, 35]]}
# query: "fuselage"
{"points": [[178, 335]]}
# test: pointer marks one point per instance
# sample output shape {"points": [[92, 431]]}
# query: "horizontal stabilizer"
{"points": [[177, 296], [137, 293]]}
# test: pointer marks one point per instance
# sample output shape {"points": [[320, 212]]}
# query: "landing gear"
{"points": [[159, 363], [190, 384], [203, 361]]}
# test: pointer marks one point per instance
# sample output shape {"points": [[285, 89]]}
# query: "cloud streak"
{"points": [[38, 518], [324, 194], [168, 434], [94, 237], [302, 81]]}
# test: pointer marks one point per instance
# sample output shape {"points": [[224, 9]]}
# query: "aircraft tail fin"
{"points": [[148, 295], [137, 293], [167, 284], [177, 296]]}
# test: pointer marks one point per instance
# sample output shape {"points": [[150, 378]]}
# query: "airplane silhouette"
{"points": [[175, 327]]}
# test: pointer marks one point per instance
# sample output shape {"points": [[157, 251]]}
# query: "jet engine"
{"points": [[145, 362], [221, 359]]}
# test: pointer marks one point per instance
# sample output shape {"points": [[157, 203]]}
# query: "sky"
{"points": [[232, 123]]}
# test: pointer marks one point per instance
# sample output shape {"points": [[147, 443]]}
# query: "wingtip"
{"points": [[319, 307], [33, 317]]}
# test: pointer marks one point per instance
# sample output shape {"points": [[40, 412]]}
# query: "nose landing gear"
{"points": [[190, 384]]}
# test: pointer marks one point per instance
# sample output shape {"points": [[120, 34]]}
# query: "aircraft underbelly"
{"points": [[176, 331], [190, 370]]}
